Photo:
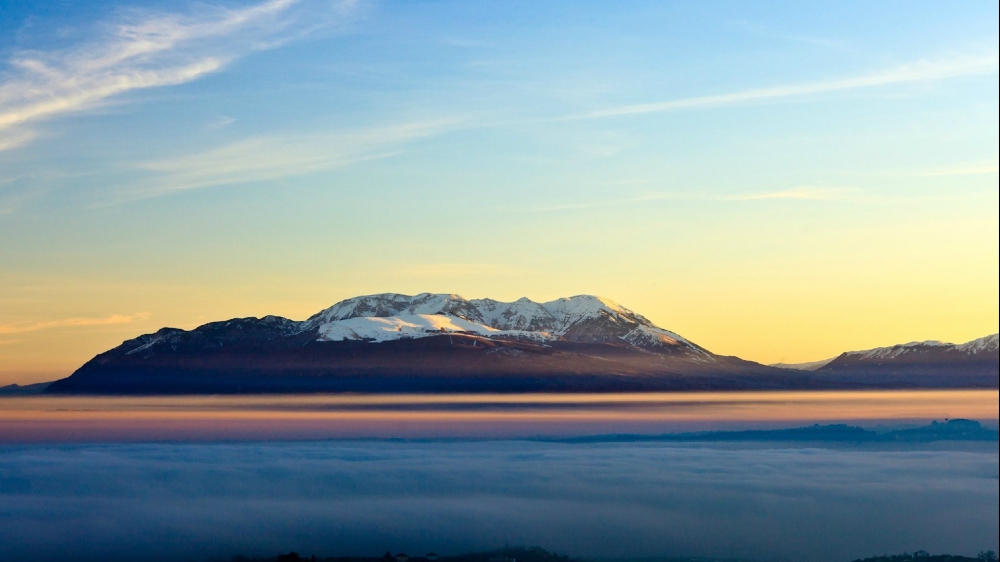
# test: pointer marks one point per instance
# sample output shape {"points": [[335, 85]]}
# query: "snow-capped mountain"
{"points": [[582, 319], [445, 343], [984, 346], [391, 317], [949, 364], [917, 358]]}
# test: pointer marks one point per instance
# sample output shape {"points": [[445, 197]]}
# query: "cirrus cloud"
{"points": [[803, 192], [76, 322], [139, 52], [916, 71]]}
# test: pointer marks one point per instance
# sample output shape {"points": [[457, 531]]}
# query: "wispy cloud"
{"points": [[759, 30], [802, 192], [614, 202], [277, 156], [970, 170], [817, 41], [14, 138], [145, 51], [919, 71], [451, 270], [220, 123], [23, 327]]}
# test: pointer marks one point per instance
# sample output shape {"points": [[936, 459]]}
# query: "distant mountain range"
{"points": [[912, 363], [445, 343]]}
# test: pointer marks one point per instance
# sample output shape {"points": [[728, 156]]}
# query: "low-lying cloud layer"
{"points": [[362, 497]]}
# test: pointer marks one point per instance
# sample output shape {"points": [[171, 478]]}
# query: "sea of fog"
{"points": [[168, 492]]}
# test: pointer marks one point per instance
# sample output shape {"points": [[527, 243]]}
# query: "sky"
{"points": [[777, 181]]}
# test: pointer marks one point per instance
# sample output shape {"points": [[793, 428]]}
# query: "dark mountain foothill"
{"points": [[432, 343]]}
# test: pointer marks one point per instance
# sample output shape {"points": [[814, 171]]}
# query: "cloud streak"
{"points": [[144, 52], [971, 170], [618, 202], [277, 156], [919, 71], [451, 270], [805, 192], [802, 193], [23, 327]]}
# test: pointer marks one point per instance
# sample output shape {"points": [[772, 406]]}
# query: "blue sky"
{"points": [[780, 181]]}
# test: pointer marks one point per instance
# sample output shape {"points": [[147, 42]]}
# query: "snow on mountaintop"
{"points": [[380, 328], [894, 350], [583, 318], [988, 343], [495, 313]]}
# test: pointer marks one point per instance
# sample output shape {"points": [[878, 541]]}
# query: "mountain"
{"points": [[435, 343], [23, 389], [966, 364]]}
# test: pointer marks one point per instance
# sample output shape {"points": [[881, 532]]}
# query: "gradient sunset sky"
{"points": [[777, 181]]}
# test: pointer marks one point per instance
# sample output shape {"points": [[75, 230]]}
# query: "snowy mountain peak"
{"points": [[982, 345], [581, 318], [894, 350], [387, 305]]}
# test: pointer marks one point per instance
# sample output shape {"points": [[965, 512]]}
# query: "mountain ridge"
{"points": [[437, 342], [984, 345], [978, 345]]}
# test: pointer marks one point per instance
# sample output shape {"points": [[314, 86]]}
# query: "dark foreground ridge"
{"points": [[446, 344]]}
